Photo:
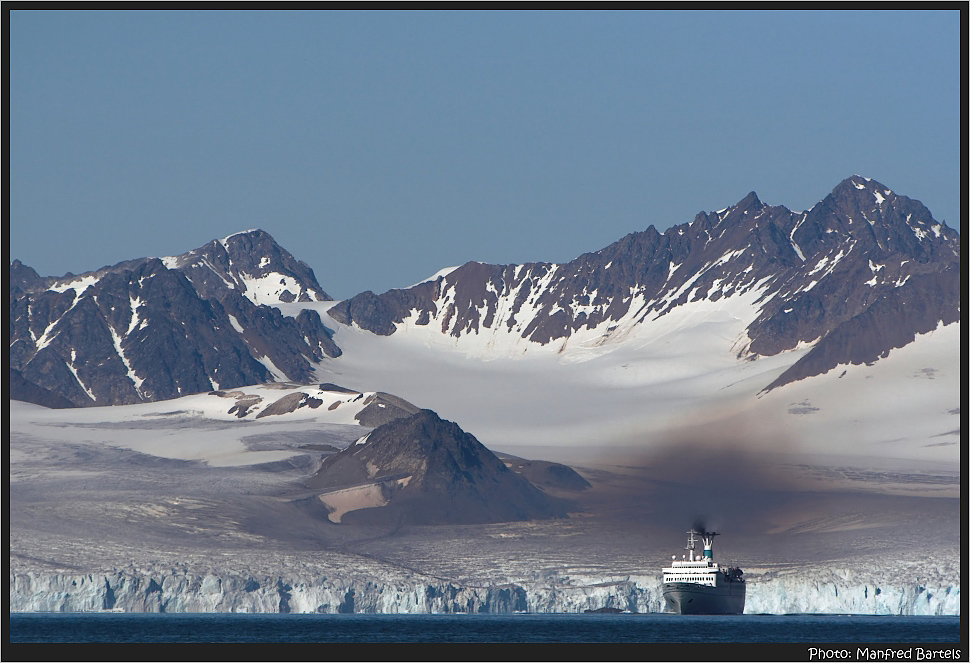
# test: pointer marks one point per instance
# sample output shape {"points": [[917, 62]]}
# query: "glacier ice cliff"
{"points": [[857, 589], [309, 590]]}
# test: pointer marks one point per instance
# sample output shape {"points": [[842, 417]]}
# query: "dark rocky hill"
{"points": [[433, 472]]}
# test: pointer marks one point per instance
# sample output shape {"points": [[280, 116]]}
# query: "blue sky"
{"points": [[379, 147]]}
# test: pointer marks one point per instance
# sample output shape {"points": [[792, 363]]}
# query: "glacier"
{"points": [[323, 589]]}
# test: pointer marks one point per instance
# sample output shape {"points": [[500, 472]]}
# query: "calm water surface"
{"points": [[520, 628]]}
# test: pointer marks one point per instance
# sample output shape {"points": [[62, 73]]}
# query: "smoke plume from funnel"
{"points": [[725, 476]]}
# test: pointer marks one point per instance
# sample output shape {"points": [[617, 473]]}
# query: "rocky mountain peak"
{"points": [[861, 194], [252, 263], [750, 202], [890, 227], [859, 183], [22, 277], [156, 328]]}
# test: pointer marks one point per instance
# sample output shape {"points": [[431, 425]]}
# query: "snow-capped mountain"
{"points": [[250, 263], [152, 329], [858, 274]]}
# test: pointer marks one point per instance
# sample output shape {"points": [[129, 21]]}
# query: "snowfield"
{"points": [[598, 393], [197, 427]]}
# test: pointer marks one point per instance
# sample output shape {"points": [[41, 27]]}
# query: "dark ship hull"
{"points": [[688, 598]]}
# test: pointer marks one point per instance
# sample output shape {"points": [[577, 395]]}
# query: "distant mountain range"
{"points": [[860, 273]]}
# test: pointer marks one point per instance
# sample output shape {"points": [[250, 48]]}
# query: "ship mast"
{"points": [[690, 545]]}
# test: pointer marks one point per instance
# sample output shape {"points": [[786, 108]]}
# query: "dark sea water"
{"points": [[185, 629]]}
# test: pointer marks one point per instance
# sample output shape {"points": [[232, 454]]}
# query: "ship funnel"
{"points": [[708, 538]]}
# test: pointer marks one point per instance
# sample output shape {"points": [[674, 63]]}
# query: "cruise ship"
{"points": [[696, 585]]}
